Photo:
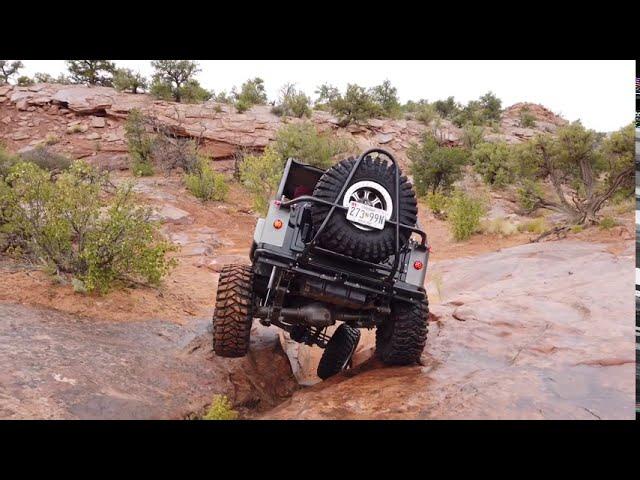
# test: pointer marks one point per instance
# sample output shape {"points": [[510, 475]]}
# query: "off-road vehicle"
{"points": [[336, 246]]}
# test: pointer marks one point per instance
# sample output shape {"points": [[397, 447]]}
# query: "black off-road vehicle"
{"points": [[340, 245]]}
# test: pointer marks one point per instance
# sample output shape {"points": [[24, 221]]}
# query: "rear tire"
{"points": [[233, 313], [400, 340], [340, 348]]}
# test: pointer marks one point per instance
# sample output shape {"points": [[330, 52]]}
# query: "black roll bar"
{"points": [[304, 256]]}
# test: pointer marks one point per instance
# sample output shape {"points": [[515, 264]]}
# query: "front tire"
{"points": [[401, 339], [233, 313], [340, 348]]}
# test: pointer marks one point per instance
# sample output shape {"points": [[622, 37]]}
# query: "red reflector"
{"points": [[277, 203], [418, 265], [277, 224]]}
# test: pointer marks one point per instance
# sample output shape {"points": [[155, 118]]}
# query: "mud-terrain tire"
{"points": [[339, 350], [400, 340], [232, 317], [377, 177]]}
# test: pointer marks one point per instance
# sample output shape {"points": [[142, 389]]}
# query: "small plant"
{"points": [[304, 142], [205, 183], [493, 161], [77, 128], [292, 103], [139, 143], [260, 175], [7, 160], [608, 222], [527, 119], [438, 203], [537, 225], [426, 113], [499, 226], [577, 228], [251, 93], [220, 409], [354, 106], [472, 136], [51, 139], [46, 159], [434, 167], [464, 214]]}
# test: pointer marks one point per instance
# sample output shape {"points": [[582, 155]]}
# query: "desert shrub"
{"points": [[472, 136], [479, 112], [73, 227], [252, 92], [537, 225], [170, 152], [434, 167], [205, 183], [46, 159], [125, 79], [175, 80], [77, 128], [528, 193], [527, 119], [438, 203], [51, 139], [499, 226], [608, 222], [7, 160], [9, 69], [448, 108], [386, 96], [220, 409], [327, 94], [577, 228], [292, 103], [260, 174], [493, 161], [355, 105], [139, 143], [24, 81], [303, 142], [426, 113], [91, 72], [584, 170], [463, 215]]}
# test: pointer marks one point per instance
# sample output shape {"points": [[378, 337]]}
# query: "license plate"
{"points": [[366, 215]]}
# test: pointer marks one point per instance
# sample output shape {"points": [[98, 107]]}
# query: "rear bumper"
{"points": [[267, 256]]}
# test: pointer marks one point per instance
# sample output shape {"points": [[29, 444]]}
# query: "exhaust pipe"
{"points": [[314, 314]]}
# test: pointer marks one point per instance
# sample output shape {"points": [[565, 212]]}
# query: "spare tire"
{"points": [[374, 185]]}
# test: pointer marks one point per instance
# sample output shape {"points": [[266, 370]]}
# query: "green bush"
{"points": [[463, 215], [292, 103], [260, 174], [493, 161], [438, 203], [46, 159], [527, 120], [434, 167], [303, 142], [73, 227], [479, 112], [251, 93], [124, 79], [220, 409], [7, 160], [139, 143], [386, 96], [24, 81], [426, 113], [529, 192], [448, 108], [608, 222], [205, 183], [472, 136], [354, 106]]}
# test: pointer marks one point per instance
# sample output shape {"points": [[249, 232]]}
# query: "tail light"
{"points": [[277, 224], [418, 265]]}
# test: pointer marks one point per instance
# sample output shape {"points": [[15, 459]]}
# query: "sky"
{"points": [[599, 93]]}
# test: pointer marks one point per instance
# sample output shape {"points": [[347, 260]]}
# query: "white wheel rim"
{"points": [[372, 194]]}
